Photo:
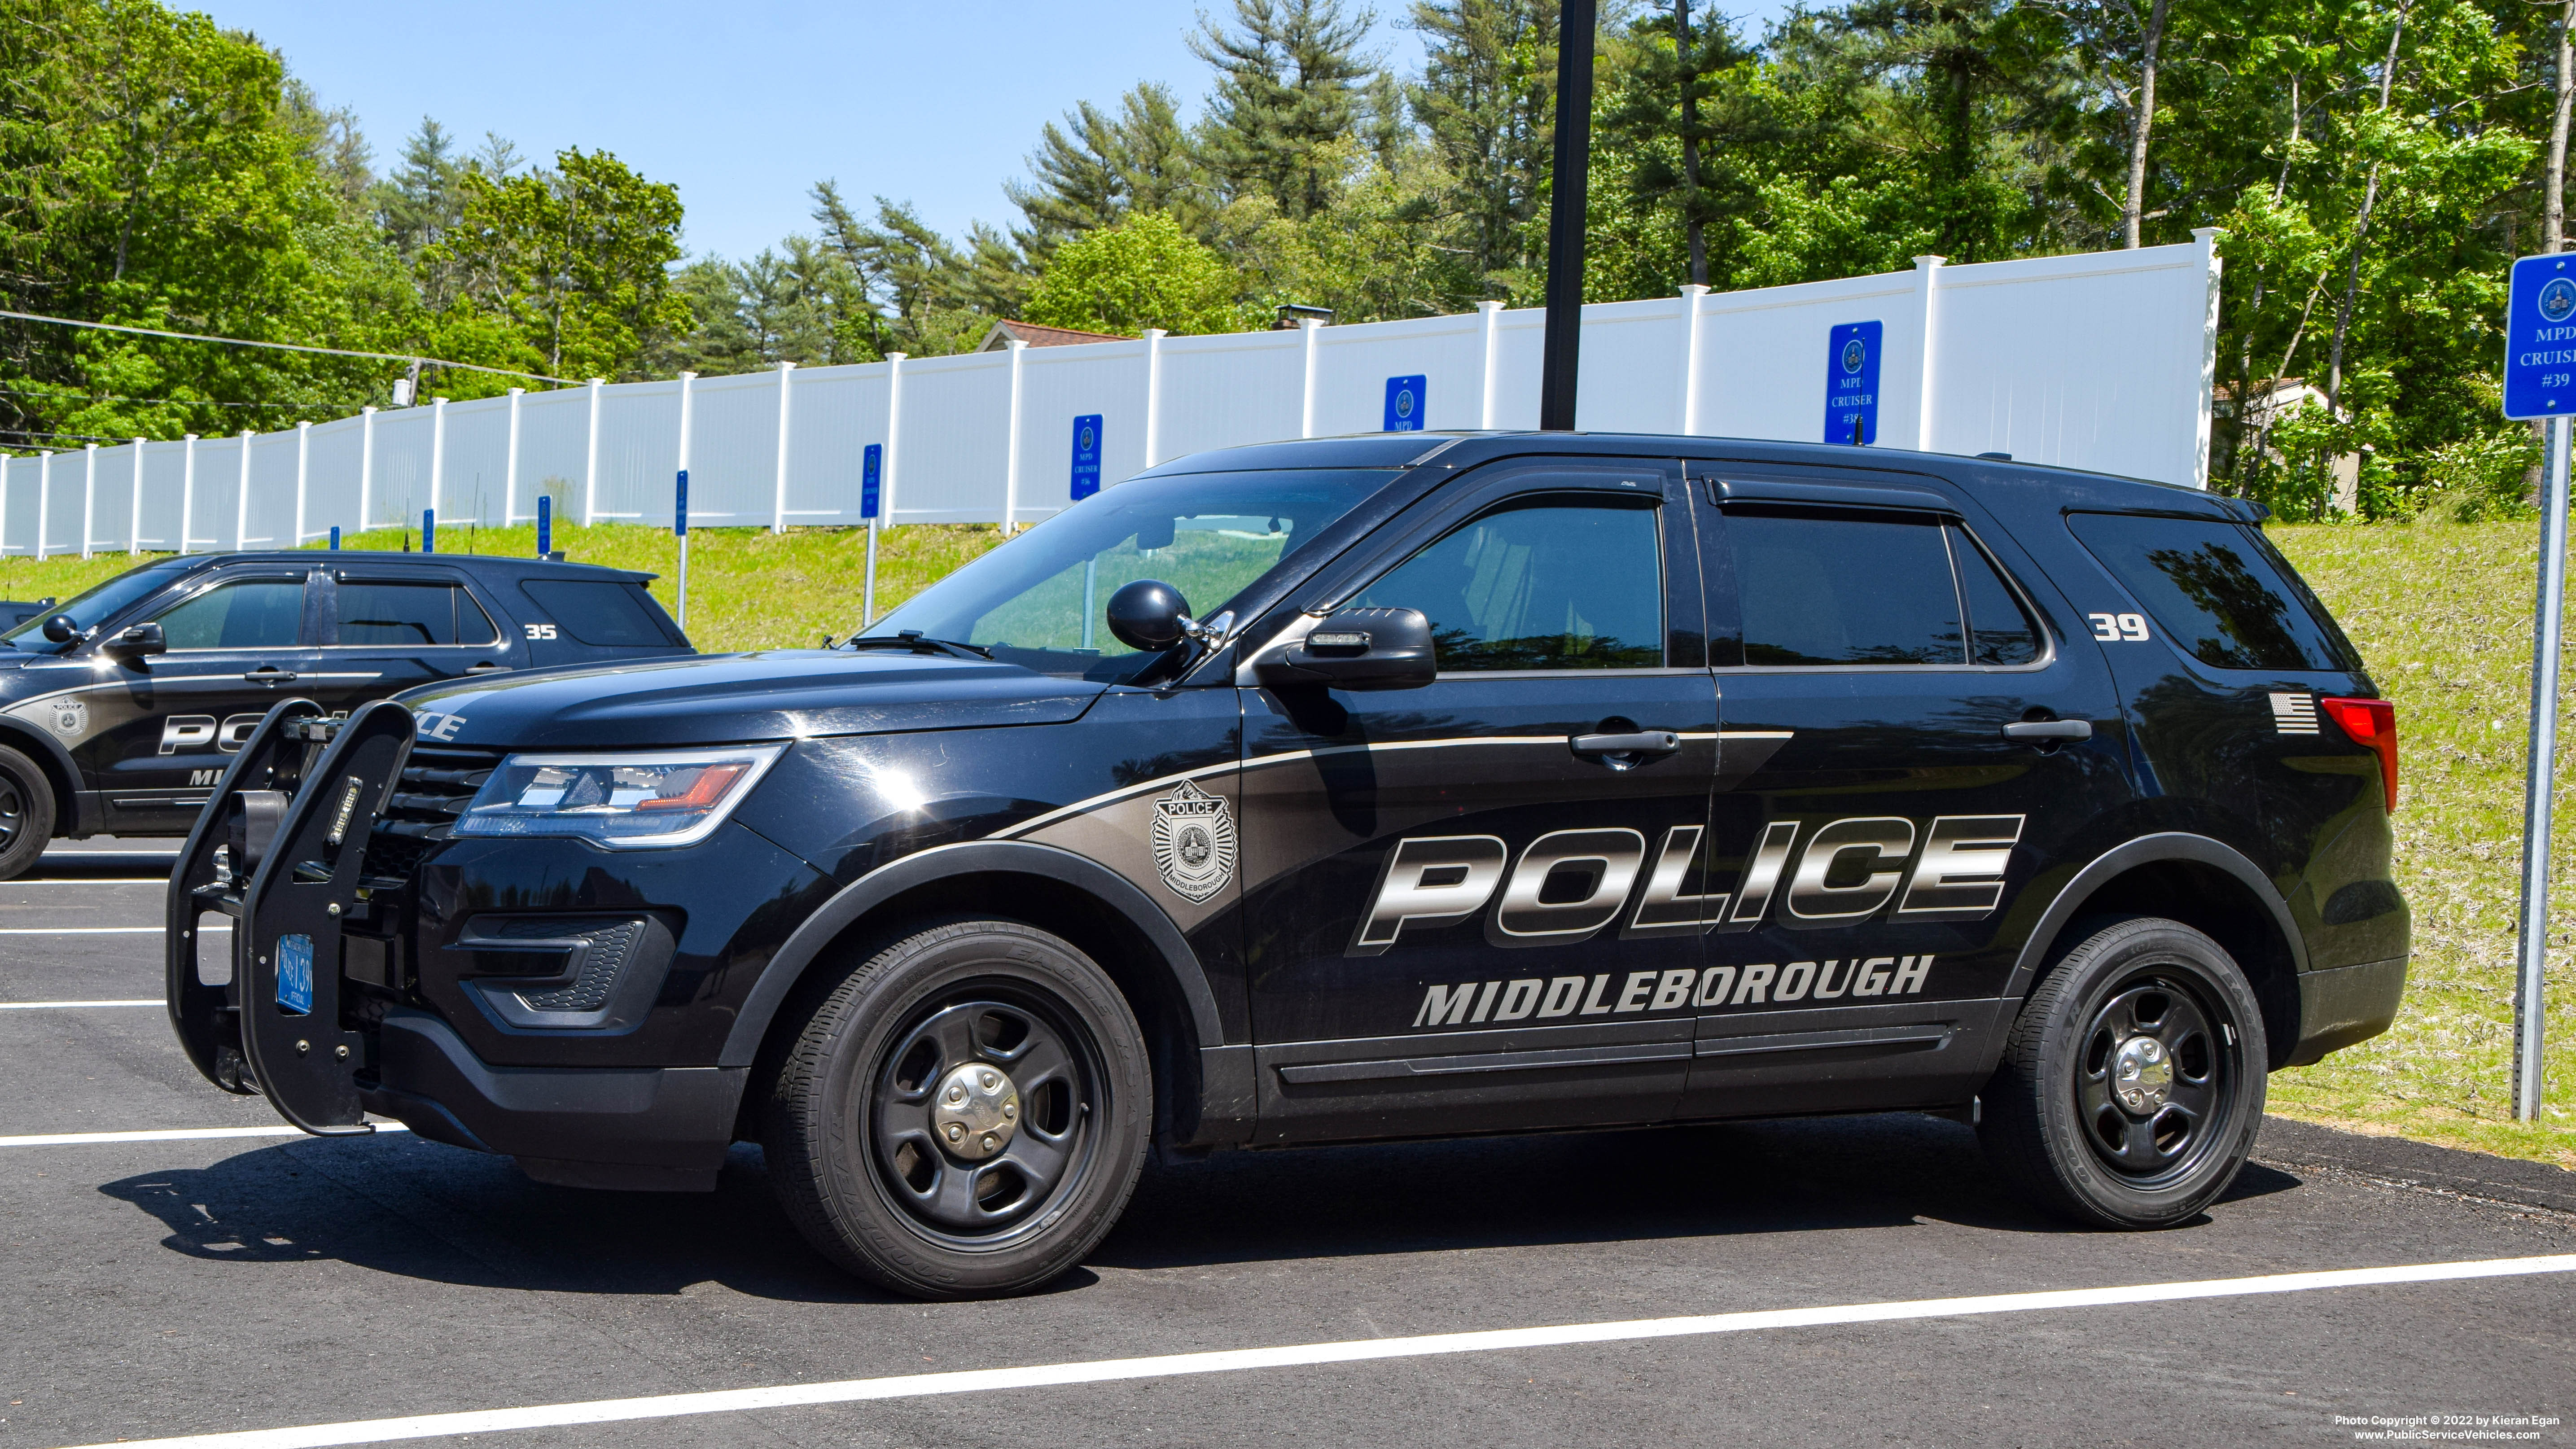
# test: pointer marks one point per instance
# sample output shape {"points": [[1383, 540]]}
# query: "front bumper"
{"points": [[649, 1128], [2341, 1005]]}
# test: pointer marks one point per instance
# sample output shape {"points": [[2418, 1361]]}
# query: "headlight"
{"points": [[622, 801]]}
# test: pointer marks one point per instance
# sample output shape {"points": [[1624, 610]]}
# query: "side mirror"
{"points": [[1149, 615], [61, 630], [1357, 649], [137, 642]]}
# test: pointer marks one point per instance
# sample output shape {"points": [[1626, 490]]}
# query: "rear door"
{"points": [[391, 628], [1912, 726], [1462, 913]]}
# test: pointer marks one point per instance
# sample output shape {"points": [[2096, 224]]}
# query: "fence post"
{"points": [[367, 466], [241, 495], [303, 471], [1307, 327], [590, 461], [1011, 453], [1153, 395], [4, 505], [1927, 286], [187, 489], [687, 400], [89, 494], [894, 430], [2207, 237], [134, 511], [44, 500], [1689, 410], [510, 469], [778, 504], [437, 449], [1489, 316]]}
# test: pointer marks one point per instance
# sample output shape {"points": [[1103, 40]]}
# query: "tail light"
{"points": [[2371, 722]]}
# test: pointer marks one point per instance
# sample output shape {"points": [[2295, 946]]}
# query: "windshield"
{"points": [[91, 609], [1036, 601]]}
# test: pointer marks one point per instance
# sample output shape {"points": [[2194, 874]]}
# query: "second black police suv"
{"points": [[121, 709], [1371, 788]]}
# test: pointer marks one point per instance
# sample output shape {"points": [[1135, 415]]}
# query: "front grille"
{"points": [[437, 783]]}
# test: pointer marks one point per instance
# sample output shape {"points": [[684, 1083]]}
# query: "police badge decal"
{"points": [[1194, 842], [69, 717]]}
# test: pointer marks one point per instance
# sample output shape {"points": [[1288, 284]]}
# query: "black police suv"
{"points": [[120, 709], [1385, 787]]}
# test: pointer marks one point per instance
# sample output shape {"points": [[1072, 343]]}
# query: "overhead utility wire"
{"points": [[285, 346], [176, 402]]}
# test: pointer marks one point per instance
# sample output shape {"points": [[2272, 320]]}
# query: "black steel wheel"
{"points": [[963, 1114], [26, 813], [2132, 1085]]}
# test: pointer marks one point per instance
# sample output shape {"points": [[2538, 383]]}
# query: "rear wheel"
{"points": [[26, 813], [964, 1114], [2132, 1086]]}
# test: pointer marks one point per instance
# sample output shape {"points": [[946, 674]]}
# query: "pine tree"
{"points": [[1099, 166], [1287, 94], [1487, 97]]}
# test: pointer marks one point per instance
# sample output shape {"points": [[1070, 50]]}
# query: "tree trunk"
{"points": [[2134, 214], [1690, 141], [2553, 237], [2361, 229]]}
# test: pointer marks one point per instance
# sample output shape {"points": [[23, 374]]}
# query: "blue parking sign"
{"points": [[871, 478], [1851, 383], [1404, 397], [1086, 456], [2540, 338]]}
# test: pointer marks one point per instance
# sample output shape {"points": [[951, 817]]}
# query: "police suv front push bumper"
{"points": [[282, 848]]}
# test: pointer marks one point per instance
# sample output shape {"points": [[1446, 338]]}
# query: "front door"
{"points": [[1901, 712], [237, 643], [1473, 905]]}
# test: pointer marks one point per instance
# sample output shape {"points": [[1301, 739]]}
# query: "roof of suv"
{"points": [[491, 568]]}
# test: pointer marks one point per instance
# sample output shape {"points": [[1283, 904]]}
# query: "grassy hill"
{"points": [[2442, 611]]}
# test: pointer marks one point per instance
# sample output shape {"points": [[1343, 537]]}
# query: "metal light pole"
{"points": [[1558, 365], [2530, 967]]}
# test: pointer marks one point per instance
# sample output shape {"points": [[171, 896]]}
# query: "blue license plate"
{"points": [[295, 975]]}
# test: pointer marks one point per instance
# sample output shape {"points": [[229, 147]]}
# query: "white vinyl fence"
{"points": [[2102, 361]]}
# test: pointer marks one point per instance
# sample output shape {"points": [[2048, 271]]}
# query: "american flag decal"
{"points": [[2294, 714]]}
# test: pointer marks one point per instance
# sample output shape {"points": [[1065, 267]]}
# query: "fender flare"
{"points": [[1180, 964], [2148, 850]]}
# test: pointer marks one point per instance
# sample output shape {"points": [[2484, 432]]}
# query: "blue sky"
{"points": [[745, 105]]}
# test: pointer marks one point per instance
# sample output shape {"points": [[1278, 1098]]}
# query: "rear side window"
{"points": [[2218, 589], [410, 614], [601, 613], [1840, 590]]}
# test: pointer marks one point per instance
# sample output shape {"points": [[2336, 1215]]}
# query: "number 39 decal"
{"points": [[2119, 628], [547, 631]]}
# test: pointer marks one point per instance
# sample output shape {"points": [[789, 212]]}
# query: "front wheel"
{"points": [[964, 1114], [26, 813], [2132, 1085]]}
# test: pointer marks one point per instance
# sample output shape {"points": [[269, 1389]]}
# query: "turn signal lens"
{"points": [[2371, 722]]}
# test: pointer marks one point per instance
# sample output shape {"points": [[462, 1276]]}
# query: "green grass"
{"points": [[2442, 611]]}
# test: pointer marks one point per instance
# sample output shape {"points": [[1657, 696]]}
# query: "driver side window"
{"points": [[1552, 585], [243, 614]]}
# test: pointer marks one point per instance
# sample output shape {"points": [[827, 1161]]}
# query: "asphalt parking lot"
{"points": [[193, 1284]]}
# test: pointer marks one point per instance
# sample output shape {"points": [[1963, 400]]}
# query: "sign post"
{"points": [[871, 490], [680, 528], [2540, 382]]}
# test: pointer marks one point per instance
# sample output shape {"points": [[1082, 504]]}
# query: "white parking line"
{"points": [[159, 880], [97, 930], [602, 1411], [59, 1005], [174, 1134]]}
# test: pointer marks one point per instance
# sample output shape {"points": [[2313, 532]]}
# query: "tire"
{"points": [[2147, 998], [1050, 1116], [26, 813]]}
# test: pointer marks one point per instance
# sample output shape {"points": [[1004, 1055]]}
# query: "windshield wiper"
{"points": [[919, 643]]}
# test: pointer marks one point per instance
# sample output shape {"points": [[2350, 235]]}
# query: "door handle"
{"points": [[1636, 742], [2049, 729], [270, 674], [487, 667]]}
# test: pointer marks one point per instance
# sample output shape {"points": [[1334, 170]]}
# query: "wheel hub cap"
{"points": [[2142, 1074], [975, 1111]]}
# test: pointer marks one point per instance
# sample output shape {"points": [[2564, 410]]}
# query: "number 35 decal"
{"points": [[2119, 628], [547, 631]]}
